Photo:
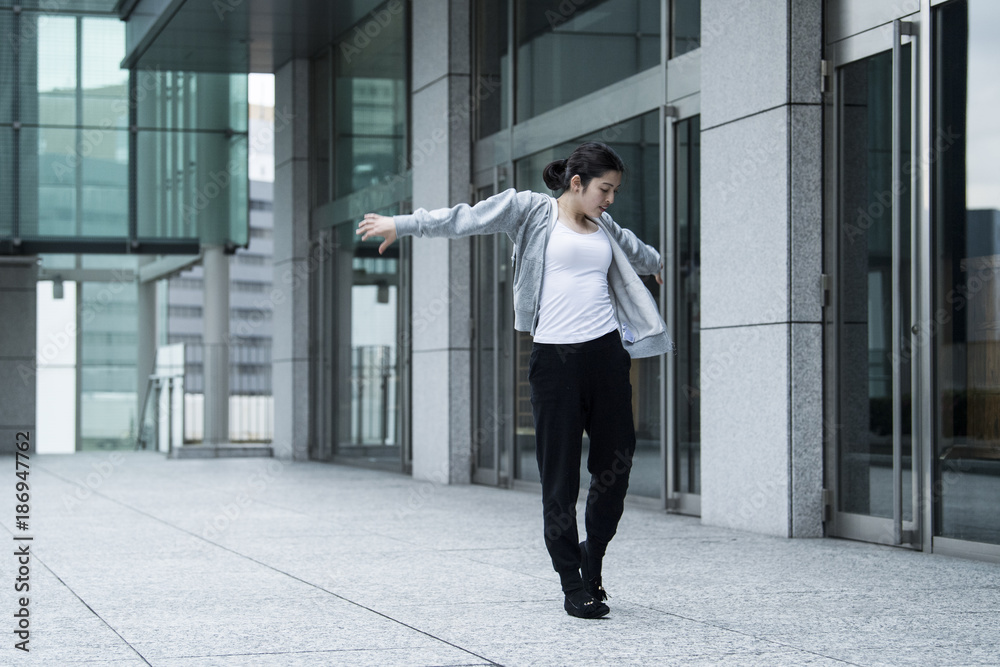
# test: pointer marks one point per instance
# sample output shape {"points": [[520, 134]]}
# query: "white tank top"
{"points": [[575, 305]]}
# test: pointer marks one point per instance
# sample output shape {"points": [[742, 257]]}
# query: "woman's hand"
{"points": [[378, 225], [658, 276]]}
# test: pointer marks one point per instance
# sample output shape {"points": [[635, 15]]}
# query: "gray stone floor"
{"points": [[141, 560]]}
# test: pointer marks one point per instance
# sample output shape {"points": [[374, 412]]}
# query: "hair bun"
{"points": [[555, 175]]}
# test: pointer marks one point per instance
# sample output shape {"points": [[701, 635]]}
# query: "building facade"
{"points": [[815, 173]]}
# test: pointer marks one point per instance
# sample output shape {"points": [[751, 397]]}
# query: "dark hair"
{"points": [[589, 160]]}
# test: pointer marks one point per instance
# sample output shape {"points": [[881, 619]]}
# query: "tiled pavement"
{"points": [[136, 559]]}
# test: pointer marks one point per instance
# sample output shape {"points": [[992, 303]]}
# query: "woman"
{"points": [[578, 292]]}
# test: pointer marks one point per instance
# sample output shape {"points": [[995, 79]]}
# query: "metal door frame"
{"points": [[895, 531], [678, 111]]}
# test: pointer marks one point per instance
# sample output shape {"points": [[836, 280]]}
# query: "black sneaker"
{"points": [[582, 605], [591, 584]]}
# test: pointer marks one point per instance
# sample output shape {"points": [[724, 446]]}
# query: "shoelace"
{"points": [[600, 593]]}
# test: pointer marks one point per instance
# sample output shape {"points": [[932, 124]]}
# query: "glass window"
{"points": [[191, 156], [192, 185], [48, 94], [492, 67], [320, 120], [108, 375], [7, 139], [568, 49], [191, 101], [685, 26], [687, 303], [966, 228], [370, 106], [8, 65], [636, 208], [104, 84], [866, 359]]}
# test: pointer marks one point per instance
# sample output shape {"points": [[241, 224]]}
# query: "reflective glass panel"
{"points": [[493, 67], [966, 228], [8, 65], [866, 352], [636, 208], [49, 80], [687, 303], [320, 120], [191, 101], [365, 298], [7, 139], [104, 85], [192, 184], [568, 49], [108, 376], [370, 105], [685, 26]]}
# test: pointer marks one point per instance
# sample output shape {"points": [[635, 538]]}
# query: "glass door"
{"points": [[492, 348], [682, 308], [872, 468]]}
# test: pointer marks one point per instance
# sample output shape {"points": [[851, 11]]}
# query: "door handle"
{"points": [[900, 29]]}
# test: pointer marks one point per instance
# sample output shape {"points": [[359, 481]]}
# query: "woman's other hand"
{"points": [[378, 225]]}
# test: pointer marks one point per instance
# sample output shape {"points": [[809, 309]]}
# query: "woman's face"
{"points": [[600, 193]]}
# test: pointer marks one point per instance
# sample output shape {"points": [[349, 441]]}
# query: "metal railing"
{"points": [[174, 409]]}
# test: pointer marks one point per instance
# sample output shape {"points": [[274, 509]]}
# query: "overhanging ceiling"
{"points": [[235, 35]]}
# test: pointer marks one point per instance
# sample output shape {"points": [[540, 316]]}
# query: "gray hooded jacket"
{"points": [[528, 218]]}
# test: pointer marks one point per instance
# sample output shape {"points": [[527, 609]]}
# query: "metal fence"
{"points": [[251, 404]]}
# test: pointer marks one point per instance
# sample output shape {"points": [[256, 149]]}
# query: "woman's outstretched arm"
{"points": [[378, 225], [502, 212]]}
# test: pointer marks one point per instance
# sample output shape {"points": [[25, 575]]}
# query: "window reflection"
{"points": [[687, 305], [492, 67], [370, 102], [685, 31], [568, 49], [966, 228]]}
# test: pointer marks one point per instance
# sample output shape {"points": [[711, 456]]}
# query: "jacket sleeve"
{"points": [[502, 212], [643, 258]]}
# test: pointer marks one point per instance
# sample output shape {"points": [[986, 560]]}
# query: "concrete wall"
{"points": [[441, 406], [17, 350], [761, 245]]}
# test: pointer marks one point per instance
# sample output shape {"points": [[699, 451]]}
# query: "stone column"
{"points": [[292, 272], [18, 277], [146, 338], [216, 338], [441, 408], [761, 245]]}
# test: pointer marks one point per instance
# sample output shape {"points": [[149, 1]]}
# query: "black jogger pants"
{"points": [[576, 388]]}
